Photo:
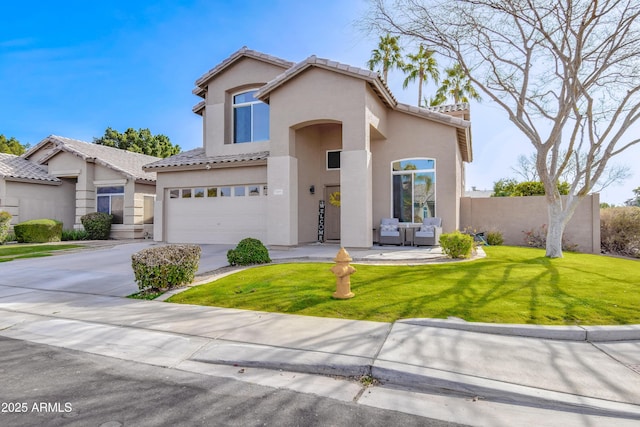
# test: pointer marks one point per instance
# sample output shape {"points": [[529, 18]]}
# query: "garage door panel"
{"points": [[215, 220]]}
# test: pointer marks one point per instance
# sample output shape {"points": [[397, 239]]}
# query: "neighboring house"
{"points": [[280, 137], [92, 178], [27, 191]]}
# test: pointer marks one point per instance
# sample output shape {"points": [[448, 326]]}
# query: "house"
{"points": [[64, 179], [281, 139], [27, 191]]}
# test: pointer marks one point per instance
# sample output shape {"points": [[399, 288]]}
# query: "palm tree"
{"points": [[457, 85], [420, 66], [388, 55]]}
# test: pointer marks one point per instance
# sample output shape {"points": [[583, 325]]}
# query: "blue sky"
{"points": [[73, 68]]}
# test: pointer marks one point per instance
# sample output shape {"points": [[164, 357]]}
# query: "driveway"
{"points": [[98, 271]]}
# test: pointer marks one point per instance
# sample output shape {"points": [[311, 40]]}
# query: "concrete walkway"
{"points": [[498, 373]]}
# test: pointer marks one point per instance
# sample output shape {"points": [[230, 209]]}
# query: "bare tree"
{"points": [[567, 73], [526, 169]]}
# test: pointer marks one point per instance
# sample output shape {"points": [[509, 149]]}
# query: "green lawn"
{"points": [[11, 252], [511, 285]]}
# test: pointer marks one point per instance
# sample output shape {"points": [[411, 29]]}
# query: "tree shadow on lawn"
{"points": [[473, 295], [490, 290]]}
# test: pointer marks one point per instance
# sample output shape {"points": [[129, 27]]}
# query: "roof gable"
{"points": [[125, 162], [244, 52], [377, 84], [16, 168]]}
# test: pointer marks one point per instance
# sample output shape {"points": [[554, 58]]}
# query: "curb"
{"points": [[565, 333], [429, 380]]}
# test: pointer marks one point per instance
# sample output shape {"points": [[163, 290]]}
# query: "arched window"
{"points": [[413, 189], [250, 118]]}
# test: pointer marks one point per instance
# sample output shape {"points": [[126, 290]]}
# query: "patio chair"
{"points": [[429, 232], [390, 232]]}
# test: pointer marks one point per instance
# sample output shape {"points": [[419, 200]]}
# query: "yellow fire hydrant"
{"points": [[342, 271]]}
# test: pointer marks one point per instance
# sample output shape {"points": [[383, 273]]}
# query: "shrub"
{"points": [[538, 239], [38, 231], [456, 244], [74, 235], [97, 225], [5, 224], [620, 230], [249, 251], [165, 267], [494, 238]]}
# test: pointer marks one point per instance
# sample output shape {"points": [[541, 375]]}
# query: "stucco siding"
{"points": [[514, 215], [411, 137], [247, 73], [37, 201]]}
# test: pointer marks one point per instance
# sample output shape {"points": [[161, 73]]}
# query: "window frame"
{"points": [[413, 173], [110, 197], [250, 104], [339, 160]]}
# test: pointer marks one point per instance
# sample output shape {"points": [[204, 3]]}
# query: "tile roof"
{"points": [[197, 157], [126, 162], [433, 115], [17, 168], [242, 52], [450, 108]]}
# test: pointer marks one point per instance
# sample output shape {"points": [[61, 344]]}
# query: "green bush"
{"points": [[620, 230], [74, 235], [38, 231], [456, 244], [494, 238], [165, 267], [249, 251], [97, 225], [5, 225]]}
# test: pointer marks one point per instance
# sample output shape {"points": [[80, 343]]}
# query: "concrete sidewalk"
{"points": [[571, 376], [569, 372]]}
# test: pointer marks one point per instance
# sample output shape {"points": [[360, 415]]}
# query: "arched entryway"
{"points": [[317, 148]]}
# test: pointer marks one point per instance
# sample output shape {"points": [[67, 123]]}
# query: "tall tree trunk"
{"points": [[555, 229], [560, 212]]}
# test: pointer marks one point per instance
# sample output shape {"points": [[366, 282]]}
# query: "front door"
{"points": [[332, 212]]}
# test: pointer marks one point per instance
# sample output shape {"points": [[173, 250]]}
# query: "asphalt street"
{"points": [[50, 386]]}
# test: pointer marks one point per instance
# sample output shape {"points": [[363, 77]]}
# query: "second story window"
{"points": [[250, 118]]}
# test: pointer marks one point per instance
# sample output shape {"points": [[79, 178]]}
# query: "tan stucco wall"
{"points": [[513, 215], [410, 137], [304, 101], [26, 201], [247, 73]]}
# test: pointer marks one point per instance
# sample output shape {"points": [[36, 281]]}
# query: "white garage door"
{"points": [[226, 215]]}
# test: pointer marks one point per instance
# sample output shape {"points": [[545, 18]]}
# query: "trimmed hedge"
{"points": [[5, 225], [97, 225], [38, 231], [249, 251], [456, 244], [165, 267]]}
